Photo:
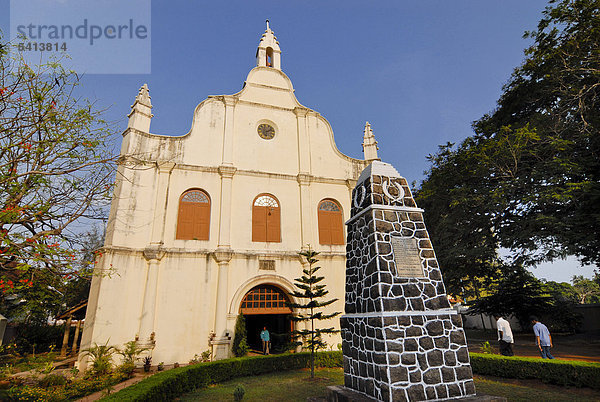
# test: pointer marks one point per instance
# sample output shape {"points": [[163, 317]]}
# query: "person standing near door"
{"points": [[266, 339]]}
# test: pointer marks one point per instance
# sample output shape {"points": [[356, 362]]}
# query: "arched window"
{"points": [[266, 221], [331, 223], [265, 299], [193, 219]]}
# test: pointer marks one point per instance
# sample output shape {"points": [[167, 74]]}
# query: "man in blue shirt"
{"points": [[265, 337], [542, 337]]}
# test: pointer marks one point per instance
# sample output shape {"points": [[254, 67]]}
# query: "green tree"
{"points": [[562, 316], [311, 295], [554, 180], [240, 338], [517, 293], [56, 169], [460, 220], [587, 290], [527, 181]]}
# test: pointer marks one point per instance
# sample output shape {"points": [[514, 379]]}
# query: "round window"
{"points": [[266, 131]]}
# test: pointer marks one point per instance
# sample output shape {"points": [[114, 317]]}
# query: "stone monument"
{"points": [[401, 339]]}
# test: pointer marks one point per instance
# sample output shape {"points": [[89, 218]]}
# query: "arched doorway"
{"points": [[266, 306]]}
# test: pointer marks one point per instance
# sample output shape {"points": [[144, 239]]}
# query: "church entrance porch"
{"points": [[278, 325], [266, 306]]}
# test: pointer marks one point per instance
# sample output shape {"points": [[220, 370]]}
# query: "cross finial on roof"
{"points": [[268, 25]]}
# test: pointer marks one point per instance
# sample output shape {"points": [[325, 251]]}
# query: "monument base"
{"points": [[408, 355], [339, 393]]}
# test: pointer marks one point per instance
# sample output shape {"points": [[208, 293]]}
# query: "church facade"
{"points": [[208, 225]]}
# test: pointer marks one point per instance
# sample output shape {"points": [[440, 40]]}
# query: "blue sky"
{"points": [[419, 71]]}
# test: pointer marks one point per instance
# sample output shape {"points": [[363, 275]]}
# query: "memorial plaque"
{"points": [[406, 257]]}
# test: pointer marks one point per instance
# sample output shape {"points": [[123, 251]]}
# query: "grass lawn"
{"points": [[296, 385]]}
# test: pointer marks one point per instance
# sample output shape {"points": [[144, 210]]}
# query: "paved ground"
{"points": [[569, 347]]}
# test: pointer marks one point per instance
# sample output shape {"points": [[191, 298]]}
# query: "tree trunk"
{"points": [[481, 315], [312, 345]]}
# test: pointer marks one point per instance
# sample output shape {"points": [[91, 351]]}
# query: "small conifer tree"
{"points": [[311, 298], [240, 339]]}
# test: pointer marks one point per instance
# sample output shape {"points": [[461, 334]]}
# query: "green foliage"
{"points": [[131, 352], [42, 335], [518, 293], [240, 339], [557, 372], [311, 295], [71, 390], [486, 348], [239, 392], [554, 182], [168, 385], [126, 369], [56, 172], [587, 290], [52, 380], [528, 180], [203, 358], [101, 356]]}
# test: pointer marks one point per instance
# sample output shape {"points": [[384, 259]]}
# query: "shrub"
{"points": [[167, 385], [43, 336], [557, 372], [486, 348], [131, 352], [239, 392], [52, 380], [126, 369], [76, 389], [240, 341], [101, 356]]}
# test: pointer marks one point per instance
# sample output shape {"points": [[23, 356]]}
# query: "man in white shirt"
{"points": [[505, 336]]}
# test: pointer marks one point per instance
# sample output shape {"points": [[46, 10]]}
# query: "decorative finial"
{"points": [[143, 95], [369, 144], [268, 25], [141, 111]]}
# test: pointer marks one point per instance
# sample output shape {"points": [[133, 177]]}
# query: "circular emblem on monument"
{"points": [[359, 200], [266, 131], [386, 191]]}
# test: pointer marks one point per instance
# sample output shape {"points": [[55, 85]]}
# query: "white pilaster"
{"points": [[160, 204], [146, 333], [228, 134], [222, 338]]}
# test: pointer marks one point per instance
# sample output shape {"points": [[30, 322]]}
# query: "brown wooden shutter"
{"points": [[259, 223], [193, 219], [266, 219], [201, 221], [331, 223], [273, 224], [324, 228], [337, 227]]}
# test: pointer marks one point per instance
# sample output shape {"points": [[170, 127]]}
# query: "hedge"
{"points": [[167, 385], [557, 372]]}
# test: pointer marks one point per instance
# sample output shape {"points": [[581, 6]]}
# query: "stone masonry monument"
{"points": [[401, 339]]}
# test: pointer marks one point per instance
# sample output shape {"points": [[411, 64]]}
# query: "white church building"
{"points": [[208, 225]]}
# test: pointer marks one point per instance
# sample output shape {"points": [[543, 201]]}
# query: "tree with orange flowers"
{"points": [[56, 171]]}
